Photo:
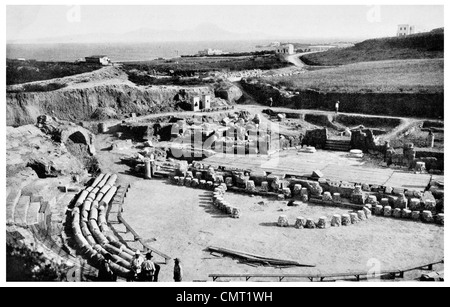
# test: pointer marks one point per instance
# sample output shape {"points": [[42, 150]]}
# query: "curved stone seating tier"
{"points": [[90, 228]]}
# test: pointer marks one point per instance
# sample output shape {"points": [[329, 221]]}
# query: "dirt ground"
{"points": [[184, 223]]}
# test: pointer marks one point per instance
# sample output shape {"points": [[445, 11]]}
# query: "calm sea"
{"points": [[124, 51]]}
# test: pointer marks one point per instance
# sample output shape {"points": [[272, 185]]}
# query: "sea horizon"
{"points": [[133, 51]]}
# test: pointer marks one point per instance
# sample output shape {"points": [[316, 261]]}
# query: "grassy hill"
{"points": [[429, 45], [393, 76]]}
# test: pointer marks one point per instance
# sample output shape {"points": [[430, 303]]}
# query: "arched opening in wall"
{"points": [[78, 146], [78, 137]]}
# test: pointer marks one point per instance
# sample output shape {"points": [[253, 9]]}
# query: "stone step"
{"points": [[11, 202], [20, 213], [33, 213]]}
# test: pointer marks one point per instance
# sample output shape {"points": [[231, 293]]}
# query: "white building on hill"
{"points": [[404, 30], [286, 49]]}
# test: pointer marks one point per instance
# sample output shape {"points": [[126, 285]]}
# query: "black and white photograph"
{"points": [[233, 143]]}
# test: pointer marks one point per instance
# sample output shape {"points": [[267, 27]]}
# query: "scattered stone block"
{"points": [[280, 196], [304, 198], [265, 186], [283, 221], [304, 191], [300, 222], [336, 220], [387, 211], [388, 190], [384, 202], [187, 181]]}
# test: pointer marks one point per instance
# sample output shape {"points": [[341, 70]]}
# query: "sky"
{"points": [[286, 21]]}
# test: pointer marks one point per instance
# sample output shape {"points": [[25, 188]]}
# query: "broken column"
{"points": [[327, 196], [336, 197], [397, 213], [297, 189], [336, 220], [361, 215], [176, 179], [354, 218], [286, 192], [187, 181], [300, 222], [310, 224], [420, 167], [406, 213], [371, 199], [430, 205], [387, 211], [384, 202], [265, 186], [414, 204], [358, 196], [236, 213], [209, 185], [322, 222], [440, 218], [427, 216], [378, 210], [276, 184], [148, 170], [283, 221], [346, 220], [229, 181], [401, 202], [368, 211], [415, 215], [194, 183], [250, 186], [430, 139]]}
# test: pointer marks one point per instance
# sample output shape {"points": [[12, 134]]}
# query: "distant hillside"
{"points": [[427, 45]]}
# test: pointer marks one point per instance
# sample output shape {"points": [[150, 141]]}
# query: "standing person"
{"points": [[136, 265], [148, 268], [336, 106], [271, 101], [177, 271], [105, 273]]}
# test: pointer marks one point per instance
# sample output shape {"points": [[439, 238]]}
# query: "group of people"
{"points": [[141, 269]]}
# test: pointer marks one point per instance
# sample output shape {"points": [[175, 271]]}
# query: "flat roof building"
{"points": [[98, 59]]}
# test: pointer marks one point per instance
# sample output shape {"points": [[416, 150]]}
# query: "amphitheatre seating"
{"points": [[89, 224]]}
